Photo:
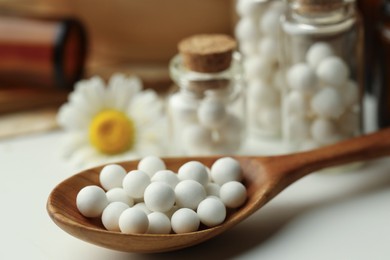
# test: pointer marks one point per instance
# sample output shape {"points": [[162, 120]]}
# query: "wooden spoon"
{"points": [[264, 178]]}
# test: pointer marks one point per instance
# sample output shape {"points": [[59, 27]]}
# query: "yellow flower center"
{"points": [[112, 132]]}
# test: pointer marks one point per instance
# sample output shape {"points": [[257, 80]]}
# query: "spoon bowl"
{"points": [[264, 178]]}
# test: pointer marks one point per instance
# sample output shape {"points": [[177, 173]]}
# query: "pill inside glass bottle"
{"points": [[207, 108], [322, 65]]}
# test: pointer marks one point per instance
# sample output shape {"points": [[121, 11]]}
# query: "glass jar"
{"points": [[207, 110], [257, 33], [322, 64]]}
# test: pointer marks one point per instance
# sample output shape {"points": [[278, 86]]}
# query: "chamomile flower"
{"points": [[119, 121]]}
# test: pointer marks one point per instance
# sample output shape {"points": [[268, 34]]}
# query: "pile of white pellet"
{"points": [[155, 200]]}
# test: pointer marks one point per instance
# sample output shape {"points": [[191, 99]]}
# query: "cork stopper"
{"points": [[207, 52], [318, 6]]}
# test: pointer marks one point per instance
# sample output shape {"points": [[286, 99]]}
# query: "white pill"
{"points": [[111, 214], [183, 109], [270, 119], [185, 220], [233, 194], [159, 196], [332, 71], [91, 201], [247, 8], [159, 223], [193, 170], [230, 135], [119, 194], [135, 183], [268, 49], [248, 48], [226, 169], [167, 176], [263, 93], [196, 139], [318, 52], [211, 113], [211, 211], [111, 176], [269, 23], [246, 29], [142, 206], [296, 103], [151, 165], [257, 68], [133, 221], [302, 78], [212, 189], [351, 93], [323, 130], [297, 128], [327, 103], [189, 194]]}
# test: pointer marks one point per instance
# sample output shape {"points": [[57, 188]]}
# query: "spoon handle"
{"points": [[291, 167]]}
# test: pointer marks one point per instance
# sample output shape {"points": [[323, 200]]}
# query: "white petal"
{"points": [[145, 107], [123, 89], [69, 118], [72, 141]]}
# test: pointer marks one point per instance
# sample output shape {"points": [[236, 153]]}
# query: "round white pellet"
{"points": [[159, 196], [246, 29], [91, 201], [323, 130], [257, 68], [159, 223], [327, 103], [111, 214], [230, 135], [296, 103], [142, 206], [196, 139], [297, 128], [247, 8], [133, 221], [233, 194], [189, 194], [248, 48], [119, 194], [333, 71], [182, 109], [211, 211], [151, 164], [193, 170], [301, 77], [211, 113], [351, 93], [263, 94], [135, 183], [268, 49], [185, 220], [167, 176], [269, 23], [226, 169], [270, 119], [111, 176], [318, 52], [212, 189]]}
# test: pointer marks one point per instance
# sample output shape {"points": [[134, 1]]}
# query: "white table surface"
{"points": [[323, 216]]}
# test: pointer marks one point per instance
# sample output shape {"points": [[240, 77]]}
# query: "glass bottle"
{"points": [[207, 108], [257, 33], [322, 65]]}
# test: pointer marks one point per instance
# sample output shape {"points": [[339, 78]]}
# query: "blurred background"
{"points": [[47, 45]]}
